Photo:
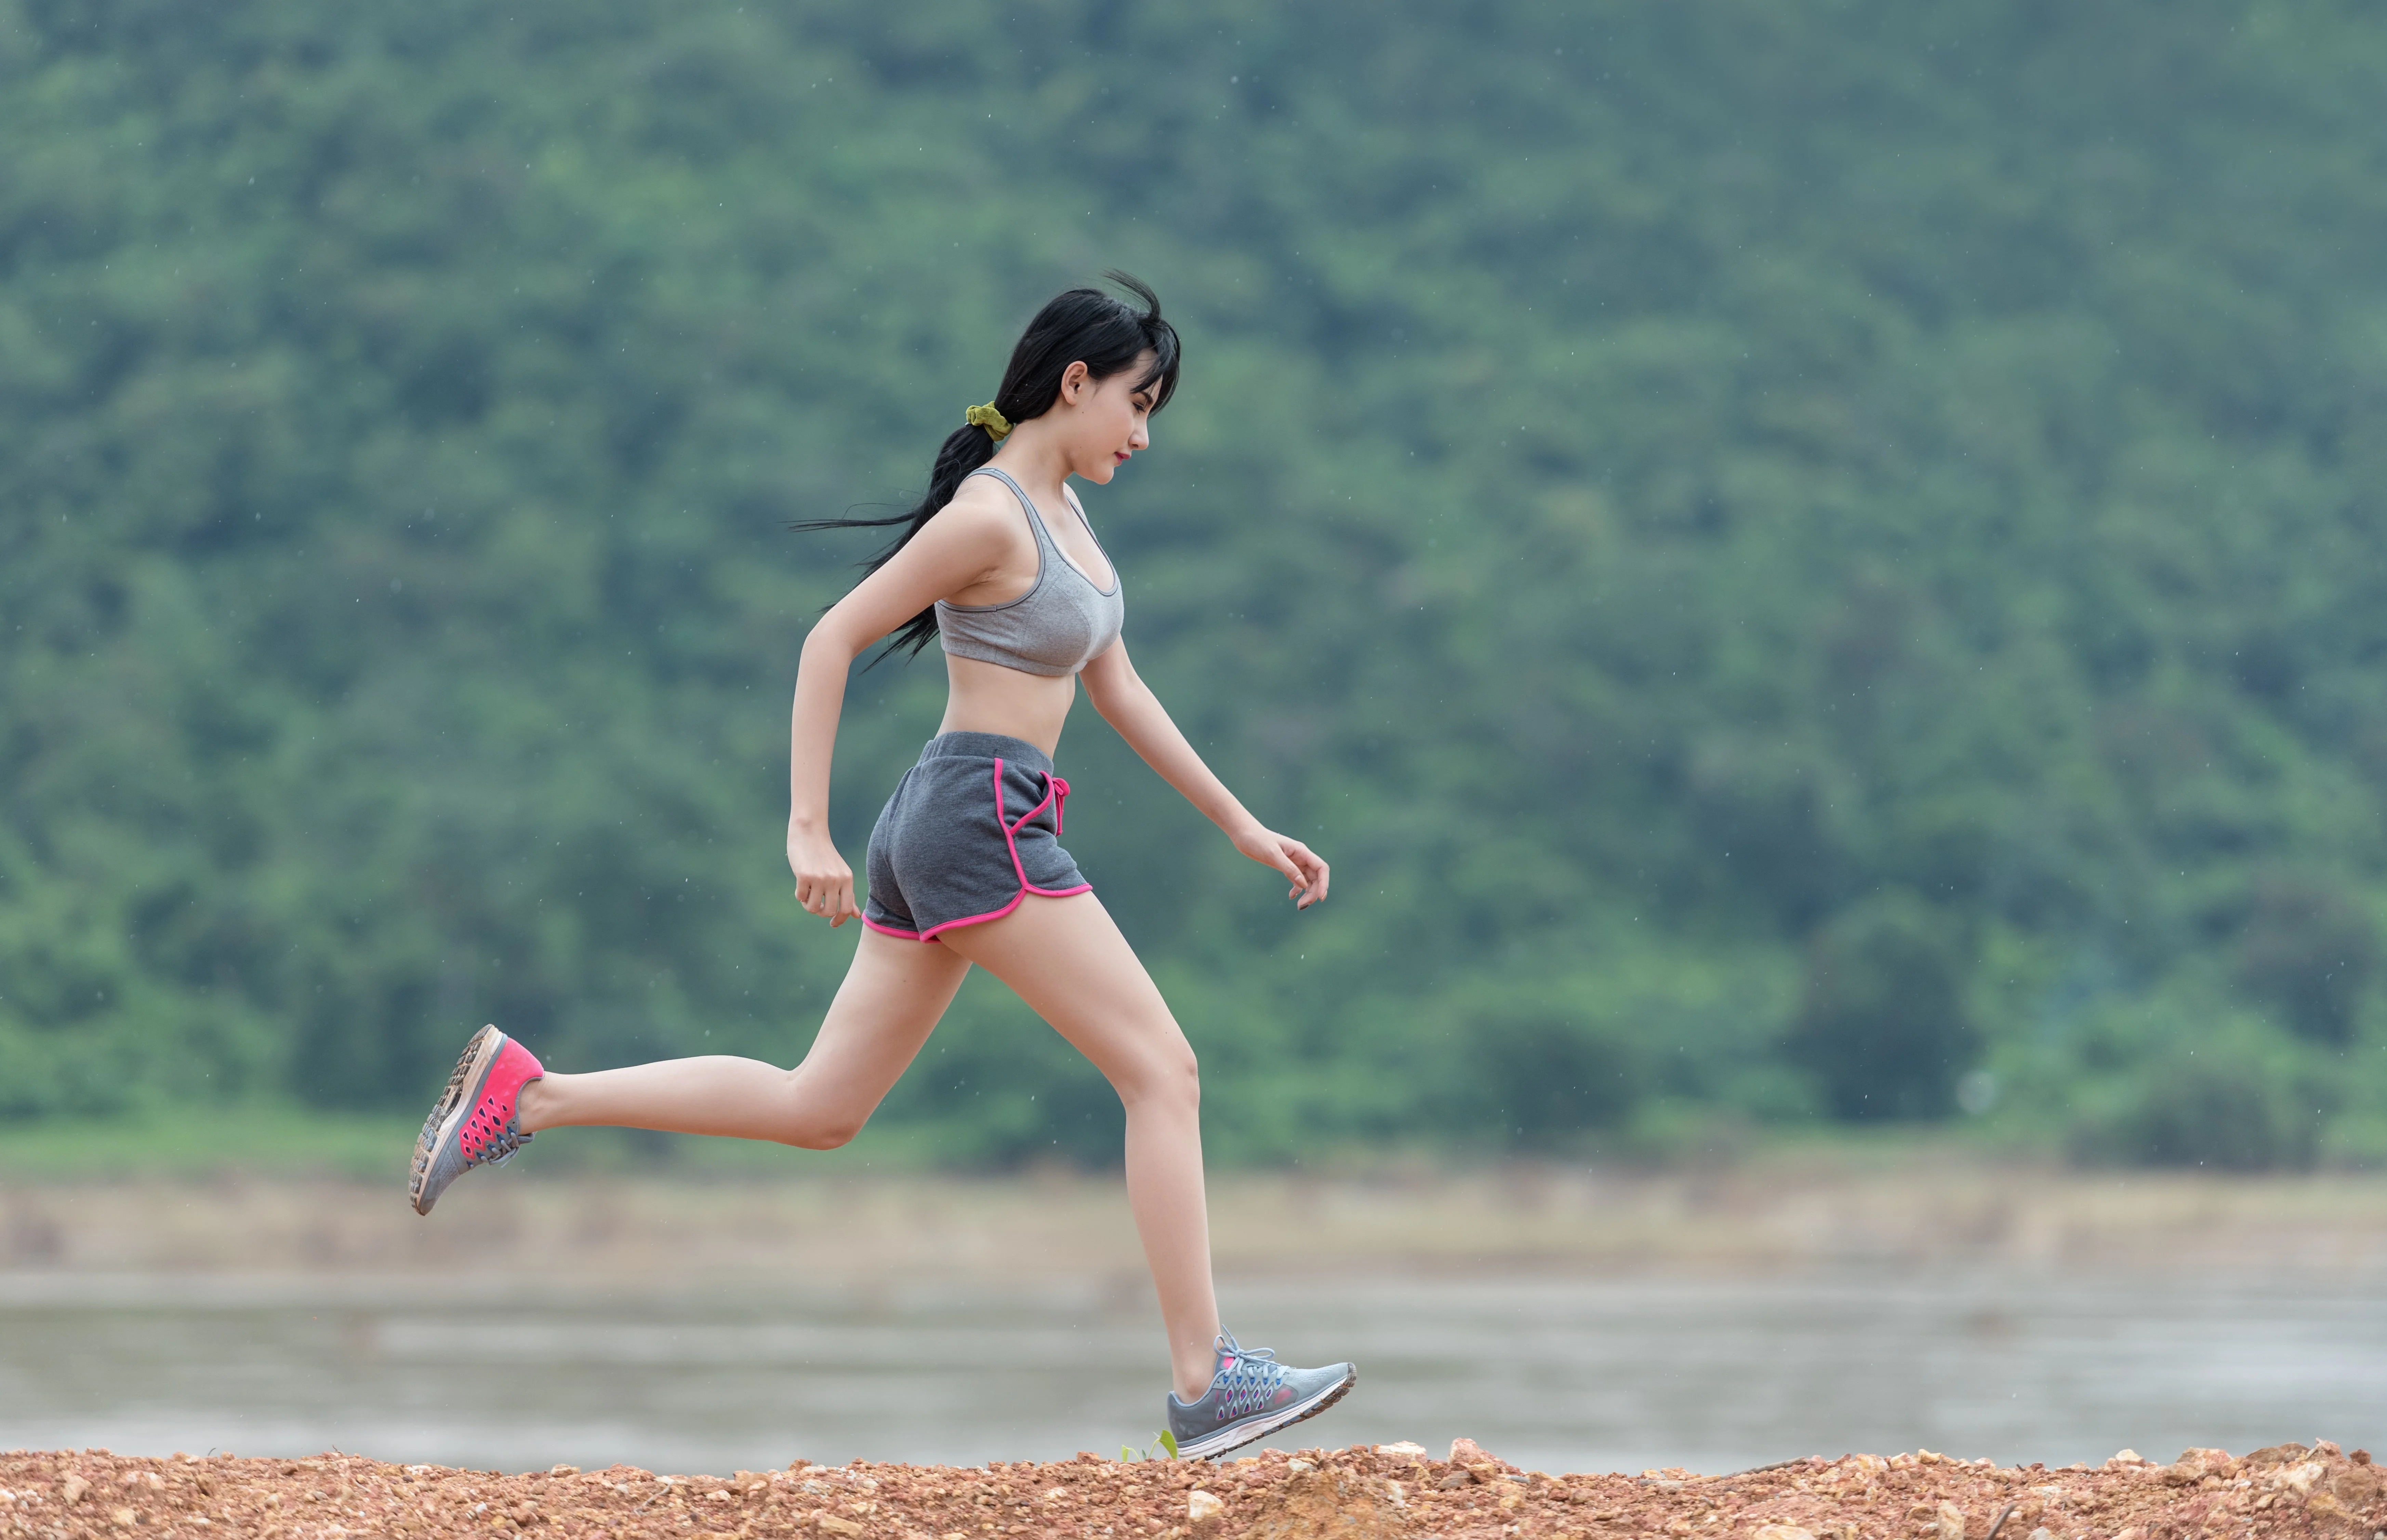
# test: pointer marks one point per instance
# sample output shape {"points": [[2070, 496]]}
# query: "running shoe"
{"points": [[475, 1122], [1251, 1395]]}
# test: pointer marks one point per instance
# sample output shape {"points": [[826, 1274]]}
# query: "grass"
{"points": [[197, 1141], [286, 1141]]}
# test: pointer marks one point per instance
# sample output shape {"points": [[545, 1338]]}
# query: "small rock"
{"points": [[1782, 1531], [123, 1518], [1465, 1451], [1403, 1450], [2358, 1486], [830, 1524], [2302, 1479], [1952, 1521], [1298, 1467], [2127, 1456], [2042, 1533], [1454, 1479], [71, 1491], [563, 1469], [2324, 1508], [1329, 1505], [1203, 1507], [2194, 1465]]}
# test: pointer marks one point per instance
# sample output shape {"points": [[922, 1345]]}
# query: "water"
{"points": [[1561, 1374]]}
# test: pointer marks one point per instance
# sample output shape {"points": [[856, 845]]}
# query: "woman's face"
{"points": [[1108, 420]]}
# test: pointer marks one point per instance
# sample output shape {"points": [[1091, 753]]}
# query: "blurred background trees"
{"points": [[1805, 566]]}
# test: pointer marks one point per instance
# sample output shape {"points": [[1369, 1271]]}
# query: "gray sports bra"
{"points": [[1058, 626]]}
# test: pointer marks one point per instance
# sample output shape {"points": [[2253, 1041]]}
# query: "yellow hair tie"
{"points": [[993, 422]]}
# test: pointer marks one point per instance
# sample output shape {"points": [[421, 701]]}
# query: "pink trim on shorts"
{"points": [[1053, 787]]}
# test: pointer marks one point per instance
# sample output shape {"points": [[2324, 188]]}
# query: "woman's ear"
{"points": [[1073, 379]]}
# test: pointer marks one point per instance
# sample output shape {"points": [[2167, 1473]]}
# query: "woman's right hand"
{"points": [[824, 882]]}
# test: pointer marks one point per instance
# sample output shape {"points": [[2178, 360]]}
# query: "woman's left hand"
{"points": [[1304, 867]]}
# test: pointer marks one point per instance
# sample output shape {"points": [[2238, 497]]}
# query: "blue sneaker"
{"points": [[1251, 1395]]}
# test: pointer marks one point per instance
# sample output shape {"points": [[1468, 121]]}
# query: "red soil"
{"points": [[1347, 1494]]}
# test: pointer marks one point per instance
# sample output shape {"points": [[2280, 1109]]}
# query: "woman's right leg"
{"points": [[1066, 958], [894, 995]]}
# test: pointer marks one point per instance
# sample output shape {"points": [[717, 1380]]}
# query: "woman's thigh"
{"points": [[894, 993], [1066, 959]]}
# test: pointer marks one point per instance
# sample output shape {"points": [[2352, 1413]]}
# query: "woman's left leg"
{"points": [[1066, 959], [894, 995]]}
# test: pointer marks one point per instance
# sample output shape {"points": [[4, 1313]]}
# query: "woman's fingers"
{"points": [[1309, 874], [1295, 860], [1292, 872], [829, 897]]}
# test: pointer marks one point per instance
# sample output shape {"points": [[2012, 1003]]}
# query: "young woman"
{"points": [[966, 865]]}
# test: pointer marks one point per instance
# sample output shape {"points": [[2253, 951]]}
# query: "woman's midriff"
{"points": [[988, 698]]}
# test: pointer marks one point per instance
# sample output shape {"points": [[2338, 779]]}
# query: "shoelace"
{"points": [[1247, 1380]]}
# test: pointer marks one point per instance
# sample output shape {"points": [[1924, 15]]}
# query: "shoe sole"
{"points": [[1234, 1436], [473, 1068]]}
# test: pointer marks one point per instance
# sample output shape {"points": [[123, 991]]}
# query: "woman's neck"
{"points": [[1035, 460]]}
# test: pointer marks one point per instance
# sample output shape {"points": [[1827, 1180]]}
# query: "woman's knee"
{"points": [[823, 1133], [812, 1117], [1168, 1075]]}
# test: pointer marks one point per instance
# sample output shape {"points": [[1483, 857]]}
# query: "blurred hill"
{"points": [[1804, 565]]}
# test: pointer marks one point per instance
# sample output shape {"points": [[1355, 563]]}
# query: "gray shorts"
{"points": [[971, 832]]}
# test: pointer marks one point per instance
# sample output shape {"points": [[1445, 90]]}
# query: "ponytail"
{"points": [[1082, 326]]}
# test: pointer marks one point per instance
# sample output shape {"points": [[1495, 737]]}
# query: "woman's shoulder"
{"points": [[982, 515], [981, 503]]}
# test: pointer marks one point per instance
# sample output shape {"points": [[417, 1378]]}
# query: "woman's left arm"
{"points": [[1128, 704]]}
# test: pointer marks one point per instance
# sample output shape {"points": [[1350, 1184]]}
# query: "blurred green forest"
{"points": [[1808, 565]]}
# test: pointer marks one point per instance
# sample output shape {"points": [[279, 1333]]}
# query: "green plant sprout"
{"points": [[1164, 1445]]}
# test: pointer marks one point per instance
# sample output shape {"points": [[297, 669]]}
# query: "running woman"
{"points": [[965, 865]]}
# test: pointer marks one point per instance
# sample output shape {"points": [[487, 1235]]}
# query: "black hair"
{"points": [[1084, 325]]}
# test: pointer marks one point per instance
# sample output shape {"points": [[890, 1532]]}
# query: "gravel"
{"points": [[1359, 1494]]}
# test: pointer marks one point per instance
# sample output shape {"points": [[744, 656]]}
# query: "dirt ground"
{"points": [[1360, 1494]]}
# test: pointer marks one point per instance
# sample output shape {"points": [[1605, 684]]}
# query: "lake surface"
{"points": [[1559, 1374]]}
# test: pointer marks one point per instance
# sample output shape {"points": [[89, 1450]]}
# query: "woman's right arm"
{"points": [[961, 546]]}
